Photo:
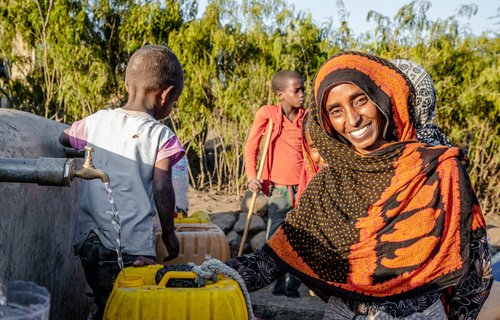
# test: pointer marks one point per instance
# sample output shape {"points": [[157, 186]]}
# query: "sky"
{"points": [[322, 10]]}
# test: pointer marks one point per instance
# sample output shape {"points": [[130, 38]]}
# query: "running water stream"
{"points": [[3, 295], [115, 221]]}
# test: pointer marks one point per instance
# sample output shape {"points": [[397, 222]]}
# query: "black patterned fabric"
{"points": [[259, 270], [465, 300]]}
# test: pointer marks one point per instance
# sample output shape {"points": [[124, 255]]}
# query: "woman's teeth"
{"points": [[358, 133]]}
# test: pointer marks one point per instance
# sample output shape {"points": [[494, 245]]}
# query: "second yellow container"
{"points": [[197, 217], [197, 241]]}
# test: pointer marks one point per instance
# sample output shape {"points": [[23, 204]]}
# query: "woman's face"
{"points": [[355, 117]]}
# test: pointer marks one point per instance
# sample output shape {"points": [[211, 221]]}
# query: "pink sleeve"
{"points": [[172, 148], [78, 134]]}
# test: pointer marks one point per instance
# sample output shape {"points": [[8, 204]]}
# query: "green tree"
{"points": [[229, 55]]}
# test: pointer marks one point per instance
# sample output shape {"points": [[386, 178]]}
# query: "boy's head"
{"points": [[155, 70], [289, 86]]}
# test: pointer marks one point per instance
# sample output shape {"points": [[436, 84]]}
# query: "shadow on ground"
{"points": [[267, 306]]}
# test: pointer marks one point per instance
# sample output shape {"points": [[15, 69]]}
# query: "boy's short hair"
{"points": [[279, 78], [154, 67]]}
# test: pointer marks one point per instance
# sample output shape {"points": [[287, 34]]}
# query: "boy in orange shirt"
{"points": [[284, 160]]}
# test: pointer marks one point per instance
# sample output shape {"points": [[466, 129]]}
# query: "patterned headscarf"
{"points": [[392, 223], [425, 107]]}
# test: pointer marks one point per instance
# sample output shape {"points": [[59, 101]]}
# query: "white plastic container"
{"points": [[180, 180], [25, 300]]}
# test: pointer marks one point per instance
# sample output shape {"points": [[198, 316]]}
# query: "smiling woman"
{"points": [[391, 228], [390, 220]]}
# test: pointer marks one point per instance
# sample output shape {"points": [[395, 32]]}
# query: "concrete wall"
{"points": [[37, 222]]}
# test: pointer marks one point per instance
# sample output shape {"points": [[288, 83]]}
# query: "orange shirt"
{"points": [[284, 159]]}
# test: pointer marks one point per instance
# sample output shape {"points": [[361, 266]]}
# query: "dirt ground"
{"points": [[211, 202]]}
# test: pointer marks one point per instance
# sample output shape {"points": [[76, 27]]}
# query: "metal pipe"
{"points": [[43, 171]]}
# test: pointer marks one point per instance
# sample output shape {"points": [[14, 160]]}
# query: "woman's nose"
{"points": [[353, 117]]}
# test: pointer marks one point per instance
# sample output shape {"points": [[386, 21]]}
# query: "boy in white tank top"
{"points": [[137, 152]]}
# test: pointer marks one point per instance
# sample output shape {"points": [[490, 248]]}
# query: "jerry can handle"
{"points": [[181, 227], [176, 275]]}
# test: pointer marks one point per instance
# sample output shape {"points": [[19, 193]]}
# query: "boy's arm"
{"points": [[75, 136], [163, 192], [64, 138], [252, 149]]}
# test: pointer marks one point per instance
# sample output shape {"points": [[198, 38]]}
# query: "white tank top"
{"points": [[126, 144]]}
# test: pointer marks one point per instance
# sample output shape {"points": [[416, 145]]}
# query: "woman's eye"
{"points": [[360, 101], [336, 112]]}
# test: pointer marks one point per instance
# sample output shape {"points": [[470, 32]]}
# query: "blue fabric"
{"points": [[495, 267]]}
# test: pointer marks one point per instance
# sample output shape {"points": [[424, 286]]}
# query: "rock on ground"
{"points": [[258, 241], [225, 221], [256, 225], [260, 207]]}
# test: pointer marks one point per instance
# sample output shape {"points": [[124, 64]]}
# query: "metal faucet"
{"points": [[88, 171]]}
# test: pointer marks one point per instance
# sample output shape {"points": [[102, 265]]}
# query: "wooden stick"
{"points": [[254, 196]]}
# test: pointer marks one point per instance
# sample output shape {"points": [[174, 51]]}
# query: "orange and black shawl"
{"points": [[388, 225]]}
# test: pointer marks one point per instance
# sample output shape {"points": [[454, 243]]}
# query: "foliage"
{"points": [[229, 54]]}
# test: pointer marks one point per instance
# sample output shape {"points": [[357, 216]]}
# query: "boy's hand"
{"points": [[171, 243], [64, 138], [254, 185], [143, 261]]}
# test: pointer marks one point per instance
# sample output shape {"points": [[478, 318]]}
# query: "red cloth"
{"points": [[284, 158]]}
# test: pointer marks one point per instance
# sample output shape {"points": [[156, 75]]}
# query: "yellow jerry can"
{"points": [[197, 217], [136, 296], [197, 241]]}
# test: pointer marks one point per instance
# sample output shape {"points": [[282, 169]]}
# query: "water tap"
{"points": [[88, 171]]}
